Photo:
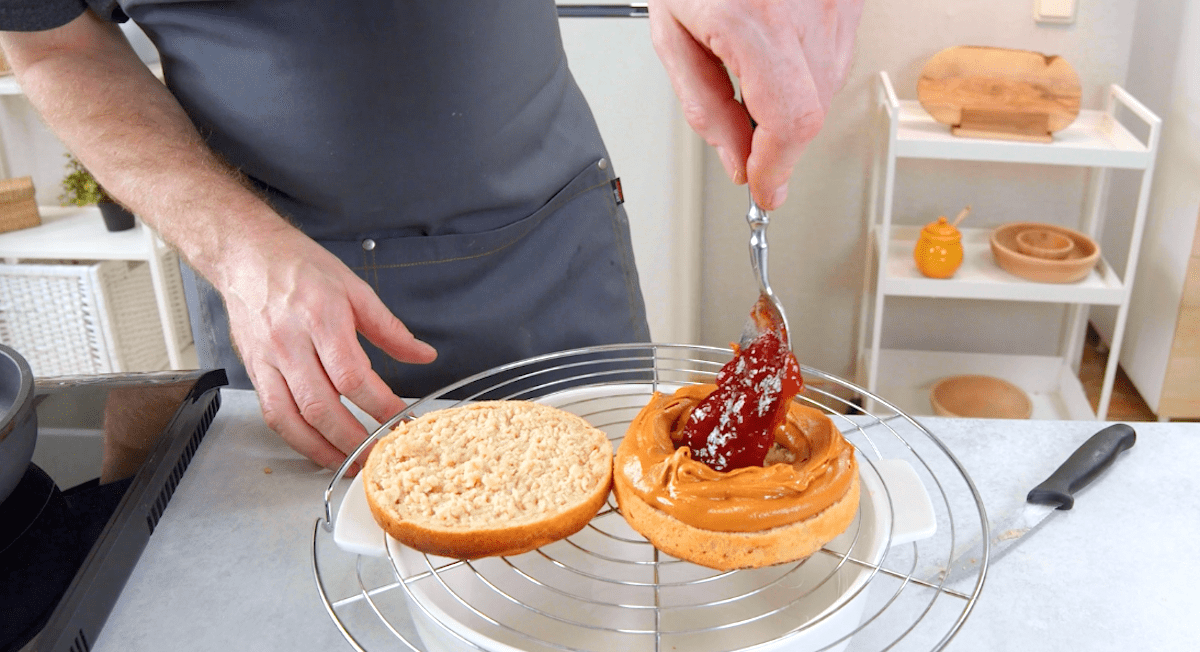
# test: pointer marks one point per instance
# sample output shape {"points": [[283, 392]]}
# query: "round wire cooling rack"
{"points": [[879, 586]]}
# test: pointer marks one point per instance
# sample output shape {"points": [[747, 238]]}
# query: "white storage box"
{"points": [[86, 318]]}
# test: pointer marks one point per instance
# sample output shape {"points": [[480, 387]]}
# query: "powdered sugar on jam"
{"points": [[734, 427]]}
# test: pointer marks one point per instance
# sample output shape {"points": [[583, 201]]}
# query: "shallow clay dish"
{"points": [[979, 397], [1075, 267], [1044, 243]]}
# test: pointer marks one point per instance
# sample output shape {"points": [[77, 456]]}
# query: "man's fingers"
{"points": [[371, 394], [782, 96], [349, 370], [789, 123], [705, 92], [777, 90], [789, 56], [376, 323], [318, 401], [282, 415]]}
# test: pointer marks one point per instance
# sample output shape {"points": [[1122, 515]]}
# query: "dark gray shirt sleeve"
{"points": [[37, 15]]}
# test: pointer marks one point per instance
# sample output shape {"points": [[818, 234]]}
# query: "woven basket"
{"points": [[18, 206], [96, 318]]}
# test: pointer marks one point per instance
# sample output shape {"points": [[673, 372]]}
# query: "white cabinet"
{"points": [[1096, 140]]}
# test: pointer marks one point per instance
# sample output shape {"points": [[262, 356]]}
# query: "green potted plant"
{"points": [[81, 189]]}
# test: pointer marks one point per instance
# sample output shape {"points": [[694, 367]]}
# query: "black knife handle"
{"points": [[1095, 455]]}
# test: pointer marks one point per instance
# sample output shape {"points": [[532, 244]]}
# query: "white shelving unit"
{"points": [[1097, 140]]}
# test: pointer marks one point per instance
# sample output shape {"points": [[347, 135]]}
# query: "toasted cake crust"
{"points": [[735, 550]]}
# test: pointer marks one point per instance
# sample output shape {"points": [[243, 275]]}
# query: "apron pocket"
{"points": [[561, 278]]}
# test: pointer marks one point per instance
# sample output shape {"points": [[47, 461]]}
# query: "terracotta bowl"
{"points": [[1077, 264], [1044, 243], [979, 397]]}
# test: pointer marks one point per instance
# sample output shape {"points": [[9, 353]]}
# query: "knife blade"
{"points": [[1055, 493]]}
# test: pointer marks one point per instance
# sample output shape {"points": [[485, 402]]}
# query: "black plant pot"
{"points": [[116, 218]]}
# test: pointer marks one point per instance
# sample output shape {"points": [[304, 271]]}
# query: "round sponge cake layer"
{"points": [[488, 478]]}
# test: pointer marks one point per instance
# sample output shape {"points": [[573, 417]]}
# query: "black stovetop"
{"points": [[110, 452]]}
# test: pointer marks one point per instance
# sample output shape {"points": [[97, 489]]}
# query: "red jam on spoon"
{"points": [[734, 427]]}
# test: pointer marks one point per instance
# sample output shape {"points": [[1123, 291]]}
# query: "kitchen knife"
{"points": [[1053, 494]]}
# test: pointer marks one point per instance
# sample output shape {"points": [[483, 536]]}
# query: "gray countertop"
{"points": [[230, 564]]}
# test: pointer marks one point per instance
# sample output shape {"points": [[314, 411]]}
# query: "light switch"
{"points": [[1054, 11]]}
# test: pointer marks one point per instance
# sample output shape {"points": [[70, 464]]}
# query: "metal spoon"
{"points": [[767, 313]]}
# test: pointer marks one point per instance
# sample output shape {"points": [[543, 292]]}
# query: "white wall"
{"points": [[30, 149], [818, 238], [657, 157], [1165, 76]]}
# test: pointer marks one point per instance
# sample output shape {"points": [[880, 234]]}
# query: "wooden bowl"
{"points": [[979, 397], [1044, 243], [1077, 264]]}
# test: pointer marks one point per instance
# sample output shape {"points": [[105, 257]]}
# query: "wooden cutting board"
{"points": [[992, 92]]}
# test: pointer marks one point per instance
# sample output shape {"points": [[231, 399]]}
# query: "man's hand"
{"points": [[295, 312], [789, 56]]}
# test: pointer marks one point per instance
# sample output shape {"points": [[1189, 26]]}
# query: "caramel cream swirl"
{"points": [[813, 470]]}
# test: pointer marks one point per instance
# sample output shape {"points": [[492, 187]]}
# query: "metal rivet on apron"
{"points": [[368, 244], [602, 164]]}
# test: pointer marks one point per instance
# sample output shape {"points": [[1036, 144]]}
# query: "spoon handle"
{"points": [[961, 215], [758, 220]]}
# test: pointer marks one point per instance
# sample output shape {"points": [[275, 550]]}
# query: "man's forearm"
{"points": [[130, 132]]}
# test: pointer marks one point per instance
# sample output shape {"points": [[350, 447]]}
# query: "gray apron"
{"points": [[440, 148]]}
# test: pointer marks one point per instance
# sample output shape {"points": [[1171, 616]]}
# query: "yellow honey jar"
{"points": [[939, 250]]}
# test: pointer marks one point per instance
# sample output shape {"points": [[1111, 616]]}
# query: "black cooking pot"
{"points": [[18, 420]]}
